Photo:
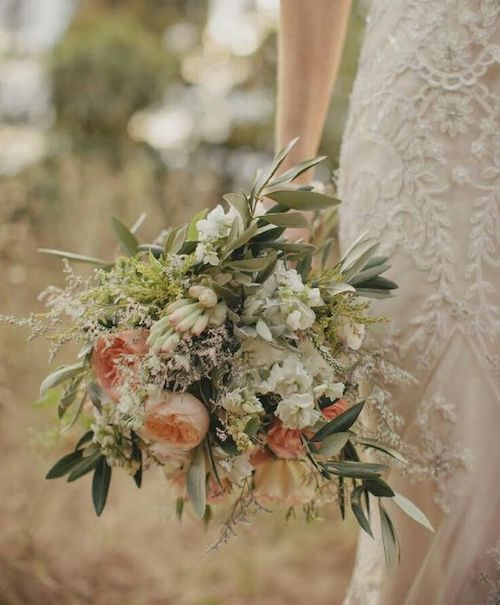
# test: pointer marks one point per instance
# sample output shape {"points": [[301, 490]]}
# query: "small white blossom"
{"points": [[297, 411], [240, 401], [287, 378], [205, 253], [294, 280], [298, 315], [217, 223], [351, 333], [240, 468], [330, 391]]}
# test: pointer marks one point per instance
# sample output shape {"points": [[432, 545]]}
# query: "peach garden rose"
{"points": [[284, 442], [179, 419], [335, 409], [116, 359], [282, 482]]}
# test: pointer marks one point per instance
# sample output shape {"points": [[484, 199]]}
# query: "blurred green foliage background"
{"points": [[155, 106]]}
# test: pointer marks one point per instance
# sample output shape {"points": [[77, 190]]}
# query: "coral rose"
{"points": [[334, 410], [282, 482], [176, 418], [284, 442], [116, 359]]}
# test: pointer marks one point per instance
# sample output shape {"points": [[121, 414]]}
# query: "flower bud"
{"points": [[200, 324], [208, 298], [182, 312], [218, 314], [187, 323], [195, 291]]}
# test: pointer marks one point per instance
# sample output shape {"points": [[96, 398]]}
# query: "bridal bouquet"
{"points": [[224, 355]]}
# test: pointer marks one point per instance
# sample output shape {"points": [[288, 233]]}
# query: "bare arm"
{"points": [[311, 40]]}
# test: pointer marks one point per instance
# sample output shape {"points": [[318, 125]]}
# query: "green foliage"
{"points": [[103, 71]]}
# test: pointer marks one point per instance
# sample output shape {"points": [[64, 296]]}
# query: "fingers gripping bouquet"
{"points": [[219, 354]]}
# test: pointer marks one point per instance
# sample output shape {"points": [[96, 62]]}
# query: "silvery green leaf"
{"points": [[367, 274], [286, 219], [339, 288], [249, 264], [232, 316], [175, 239], [358, 258], [357, 470], [359, 513], [96, 394], [341, 423], [300, 199], [154, 249], [369, 293], [291, 248], [245, 331], [412, 511], [228, 294], [239, 202], [376, 260], [60, 375], [242, 278], [263, 330], [333, 444], [265, 175], [389, 538], [378, 487], [242, 239], [192, 233], [127, 239], [326, 251], [138, 223], [382, 447], [377, 283], [196, 481], [297, 170], [78, 258], [251, 289], [69, 396]]}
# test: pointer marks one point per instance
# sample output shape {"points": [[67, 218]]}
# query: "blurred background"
{"points": [[119, 107]]}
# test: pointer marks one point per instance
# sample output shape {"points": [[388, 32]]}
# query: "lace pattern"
{"points": [[420, 164]]}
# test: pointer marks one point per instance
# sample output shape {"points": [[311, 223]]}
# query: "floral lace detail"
{"points": [[492, 579], [437, 457], [424, 122], [420, 164]]}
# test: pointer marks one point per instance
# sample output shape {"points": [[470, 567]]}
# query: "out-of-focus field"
{"points": [[53, 550]]}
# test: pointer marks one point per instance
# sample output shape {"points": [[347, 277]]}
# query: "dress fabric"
{"points": [[420, 169]]}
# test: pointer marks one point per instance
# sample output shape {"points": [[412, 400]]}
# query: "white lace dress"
{"points": [[420, 167]]}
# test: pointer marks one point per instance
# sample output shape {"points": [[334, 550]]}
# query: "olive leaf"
{"points": [[297, 170], [100, 485], [389, 537], [60, 375], [359, 513], [78, 258], [341, 423], [300, 199], [127, 240], [196, 481], [412, 511]]}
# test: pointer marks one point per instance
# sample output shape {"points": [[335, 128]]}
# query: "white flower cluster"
{"points": [[298, 380], [216, 226], [283, 306]]}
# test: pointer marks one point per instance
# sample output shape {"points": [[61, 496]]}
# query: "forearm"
{"points": [[311, 39]]}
